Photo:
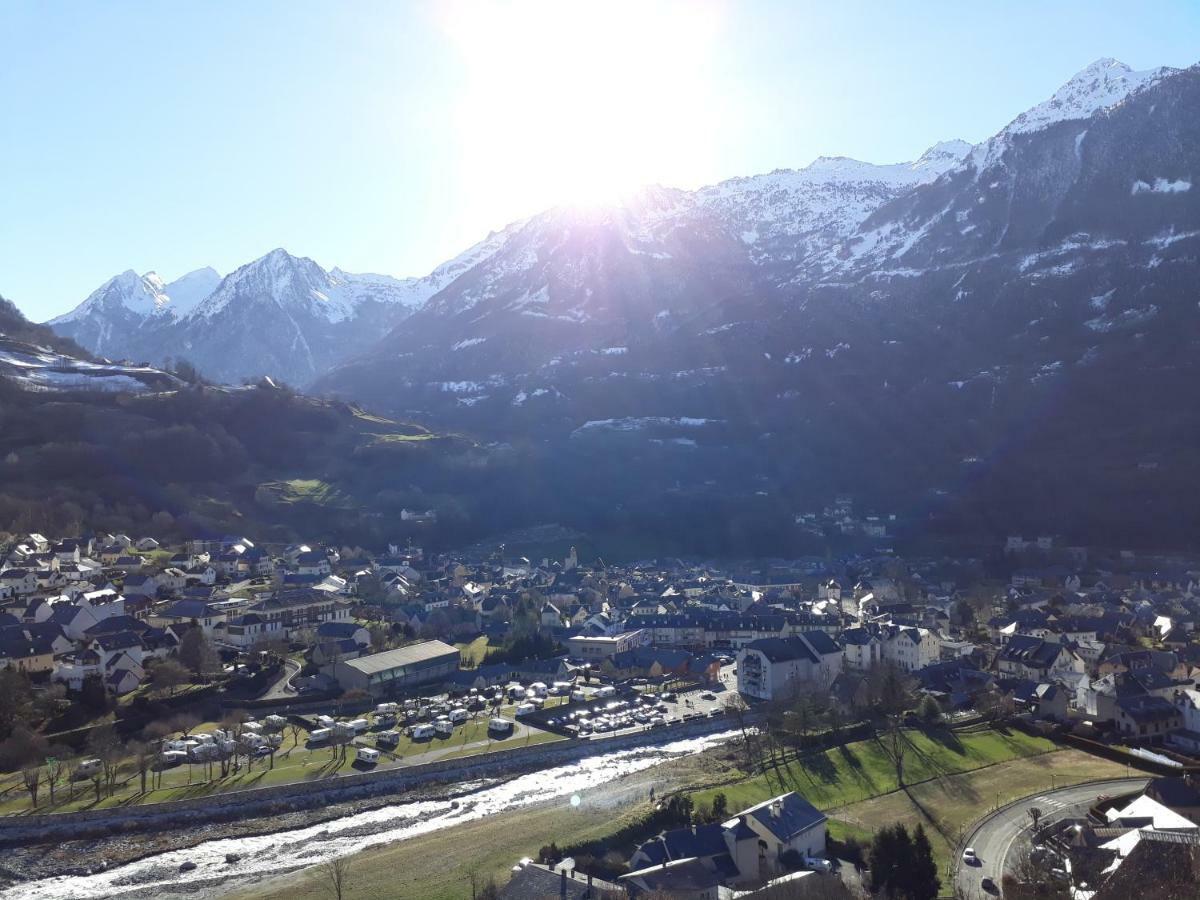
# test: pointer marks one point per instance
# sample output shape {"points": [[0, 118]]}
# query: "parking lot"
{"points": [[632, 709]]}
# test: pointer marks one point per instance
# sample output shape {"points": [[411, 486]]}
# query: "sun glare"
{"points": [[566, 102]]}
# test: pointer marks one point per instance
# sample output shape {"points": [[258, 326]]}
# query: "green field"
{"points": [[948, 806], [960, 779], [864, 769], [302, 490], [474, 651]]}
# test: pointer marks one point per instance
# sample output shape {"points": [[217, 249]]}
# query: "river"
{"points": [[270, 855]]}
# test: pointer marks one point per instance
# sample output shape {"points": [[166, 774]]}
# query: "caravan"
{"points": [[367, 755], [421, 732]]}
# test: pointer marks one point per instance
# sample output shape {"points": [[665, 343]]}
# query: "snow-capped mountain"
{"points": [[107, 320], [286, 316], [312, 316], [807, 319]]}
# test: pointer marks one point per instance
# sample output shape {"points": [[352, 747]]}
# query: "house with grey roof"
{"points": [[745, 851]]}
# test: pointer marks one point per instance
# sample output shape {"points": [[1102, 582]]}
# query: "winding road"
{"points": [[995, 836]]}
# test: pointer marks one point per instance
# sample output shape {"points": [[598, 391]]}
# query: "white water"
{"points": [[280, 852]]}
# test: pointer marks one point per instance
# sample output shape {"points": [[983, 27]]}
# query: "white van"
{"points": [[367, 755], [525, 709], [459, 715], [501, 725], [420, 732], [318, 735]]}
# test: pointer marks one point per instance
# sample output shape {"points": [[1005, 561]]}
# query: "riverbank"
{"points": [[211, 861], [489, 847]]}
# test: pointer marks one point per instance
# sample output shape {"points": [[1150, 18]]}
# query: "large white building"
{"points": [[776, 667]]}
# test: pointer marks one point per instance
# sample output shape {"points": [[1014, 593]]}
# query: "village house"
{"points": [[744, 851]]}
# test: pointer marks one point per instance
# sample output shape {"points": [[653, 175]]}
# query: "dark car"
{"points": [[988, 885]]}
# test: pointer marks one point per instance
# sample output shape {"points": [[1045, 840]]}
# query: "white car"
{"points": [[969, 856]]}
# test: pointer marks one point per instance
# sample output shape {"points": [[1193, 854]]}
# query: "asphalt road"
{"points": [[995, 838]]}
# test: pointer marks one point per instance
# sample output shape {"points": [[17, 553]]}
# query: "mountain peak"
{"points": [[1104, 83]]}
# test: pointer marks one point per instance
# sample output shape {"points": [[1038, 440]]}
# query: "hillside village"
{"points": [[1097, 648]]}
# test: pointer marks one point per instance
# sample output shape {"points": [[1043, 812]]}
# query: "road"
{"points": [[995, 837], [283, 685]]}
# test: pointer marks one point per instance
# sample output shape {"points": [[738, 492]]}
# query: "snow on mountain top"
{"points": [[187, 291], [1104, 83], [128, 291], [144, 296], [295, 283]]}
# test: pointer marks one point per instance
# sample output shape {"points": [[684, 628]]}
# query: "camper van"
{"points": [[525, 709], [538, 689], [458, 715], [422, 732], [87, 768], [503, 726], [318, 735], [516, 692], [169, 758], [367, 755]]}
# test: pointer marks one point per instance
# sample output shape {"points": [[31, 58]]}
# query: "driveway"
{"points": [[996, 836], [283, 684]]}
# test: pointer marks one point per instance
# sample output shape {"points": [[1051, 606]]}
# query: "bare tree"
{"points": [[336, 873], [294, 729], [106, 746], [737, 707], [896, 745], [143, 758], [56, 768], [1035, 816], [31, 776]]}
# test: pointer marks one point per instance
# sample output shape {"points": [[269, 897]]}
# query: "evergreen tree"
{"points": [[196, 651], [924, 884]]}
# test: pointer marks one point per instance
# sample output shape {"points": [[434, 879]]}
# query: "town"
{"points": [[141, 672]]}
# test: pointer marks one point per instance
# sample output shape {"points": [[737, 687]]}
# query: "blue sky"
{"points": [[389, 136]]}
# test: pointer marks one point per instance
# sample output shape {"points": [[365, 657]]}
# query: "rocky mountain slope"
{"points": [[1009, 339]]}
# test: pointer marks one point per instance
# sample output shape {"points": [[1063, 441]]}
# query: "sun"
{"points": [[581, 103]]}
